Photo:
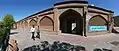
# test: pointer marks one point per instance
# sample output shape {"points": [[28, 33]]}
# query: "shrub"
{"points": [[2, 33], [106, 49], [56, 46], [103, 49], [97, 49]]}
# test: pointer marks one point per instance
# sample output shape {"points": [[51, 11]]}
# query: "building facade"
{"points": [[73, 17]]}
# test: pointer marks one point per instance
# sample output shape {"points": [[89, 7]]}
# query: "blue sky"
{"points": [[23, 8]]}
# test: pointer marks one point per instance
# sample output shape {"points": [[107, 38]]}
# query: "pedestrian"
{"points": [[38, 33], [33, 32], [13, 44]]}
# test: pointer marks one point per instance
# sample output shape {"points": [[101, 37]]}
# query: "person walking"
{"points": [[38, 33], [33, 32]]}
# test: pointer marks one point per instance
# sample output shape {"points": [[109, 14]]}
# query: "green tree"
{"points": [[1, 23], [2, 30], [8, 20]]}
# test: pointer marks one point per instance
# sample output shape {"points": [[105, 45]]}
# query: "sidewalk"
{"points": [[98, 41]]}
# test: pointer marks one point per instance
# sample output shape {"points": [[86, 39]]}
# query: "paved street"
{"points": [[99, 41]]}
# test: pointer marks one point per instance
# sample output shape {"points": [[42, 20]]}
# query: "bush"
{"points": [[97, 49], [56, 46], [106, 49], [2, 33], [103, 49]]}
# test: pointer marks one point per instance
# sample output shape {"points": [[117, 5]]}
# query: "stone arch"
{"points": [[22, 24], [98, 20], [18, 25], [32, 22], [71, 22], [75, 9], [25, 24], [46, 23]]}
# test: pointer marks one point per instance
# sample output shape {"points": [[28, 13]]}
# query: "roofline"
{"points": [[100, 8], [37, 13], [67, 2]]}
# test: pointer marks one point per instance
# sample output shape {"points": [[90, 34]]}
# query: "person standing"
{"points": [[38, 33], [33, 32]]}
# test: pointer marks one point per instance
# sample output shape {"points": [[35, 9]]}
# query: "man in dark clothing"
{"points": [[38, 33]]}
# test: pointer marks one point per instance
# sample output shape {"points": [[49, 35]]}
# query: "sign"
{"points": [[97, 28]]}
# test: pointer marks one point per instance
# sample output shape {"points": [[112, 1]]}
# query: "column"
{"points": [[85, 23], [111, 25], [56, 21], [28, 24], [37, 21]]}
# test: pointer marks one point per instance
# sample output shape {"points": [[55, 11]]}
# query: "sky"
{"points": [[23, 8]]}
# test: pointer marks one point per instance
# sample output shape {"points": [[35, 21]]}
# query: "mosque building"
{"points": [[71, 17]]}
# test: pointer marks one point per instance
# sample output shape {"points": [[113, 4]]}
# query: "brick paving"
{"points": [[98, 41]]}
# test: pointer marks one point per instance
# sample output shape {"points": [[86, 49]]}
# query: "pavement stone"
{"points": [[98, 41]]}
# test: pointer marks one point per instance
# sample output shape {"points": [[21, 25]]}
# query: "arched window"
{"points": [[33, 22], [98, 23], [46, 23], [25, 23]]}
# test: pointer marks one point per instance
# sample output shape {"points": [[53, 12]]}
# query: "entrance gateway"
{"points": [[71, 22], [72, 17]]}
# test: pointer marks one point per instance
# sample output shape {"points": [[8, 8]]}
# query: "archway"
{"points": [[98, 23], [18, 25], [71, 22], [33, 23], [22, 24], [25, 24], [47, 23]]}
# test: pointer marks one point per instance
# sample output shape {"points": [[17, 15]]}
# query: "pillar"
{"points": [[111, 22], [37, 19], [85, 23], [28, 24], [56, 21]]}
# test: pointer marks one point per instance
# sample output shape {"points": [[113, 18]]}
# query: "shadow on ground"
{"points": [[57, 46], [14, 33]]}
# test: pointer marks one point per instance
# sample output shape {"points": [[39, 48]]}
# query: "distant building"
{"points": [[73, 17]]}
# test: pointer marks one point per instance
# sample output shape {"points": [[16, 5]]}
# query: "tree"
{"points": [[1, 24], [8, 20]]}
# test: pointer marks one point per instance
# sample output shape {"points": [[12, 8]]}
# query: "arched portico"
{"points": [[71, 22], [98, 23], [47, 23], [33, 23], [25, 24]]}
